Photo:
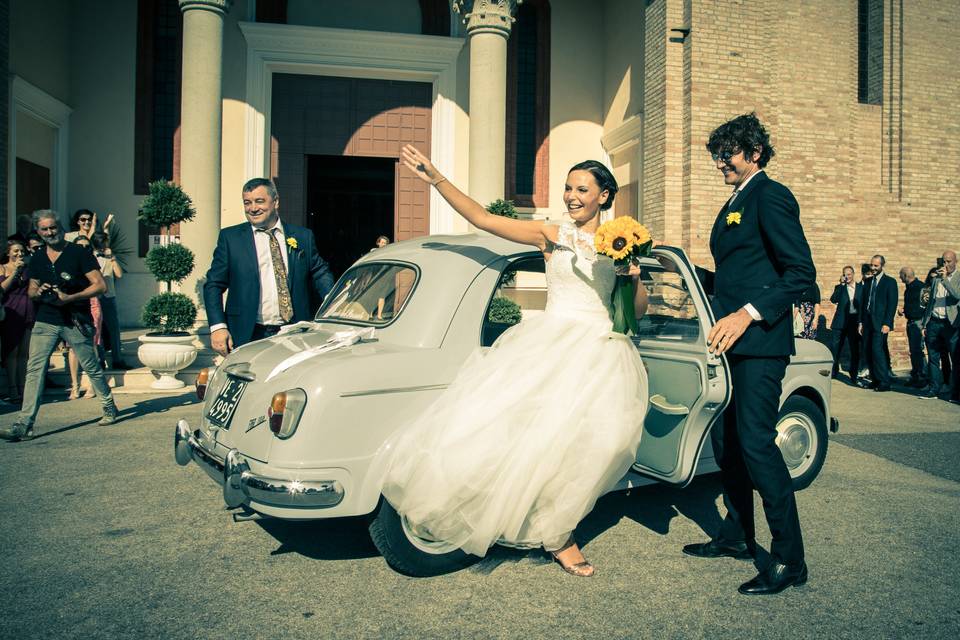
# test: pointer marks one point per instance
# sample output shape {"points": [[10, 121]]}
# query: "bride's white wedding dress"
{"points": [[532, 430]]}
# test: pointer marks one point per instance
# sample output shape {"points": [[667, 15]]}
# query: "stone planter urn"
{"points": [[166, 355]]}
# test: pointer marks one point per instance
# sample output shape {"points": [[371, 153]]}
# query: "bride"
{"points": [[532, 431]]}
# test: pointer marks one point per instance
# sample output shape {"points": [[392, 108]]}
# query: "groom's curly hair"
{"points": [[743, 133]]}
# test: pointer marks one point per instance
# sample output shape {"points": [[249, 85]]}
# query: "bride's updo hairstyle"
{"points": [[603, 177]]}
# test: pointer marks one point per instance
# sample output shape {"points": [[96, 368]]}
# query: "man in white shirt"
{"points": [[267, 267], [844, 325]]}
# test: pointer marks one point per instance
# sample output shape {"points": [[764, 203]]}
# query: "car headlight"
{"points": [[285, 410]]}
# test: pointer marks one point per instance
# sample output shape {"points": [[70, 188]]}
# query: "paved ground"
{"points": [[105, 537]]}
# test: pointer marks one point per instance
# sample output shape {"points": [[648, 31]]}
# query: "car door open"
{"points": [[689, 388]]}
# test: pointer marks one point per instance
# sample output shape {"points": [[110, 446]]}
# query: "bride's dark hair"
{"points": [[603, 177]]}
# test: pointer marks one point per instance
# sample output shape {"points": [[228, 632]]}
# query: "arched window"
{"points": [[528, 106]]}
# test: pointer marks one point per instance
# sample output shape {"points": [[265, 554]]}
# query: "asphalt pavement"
{"points": [[105, 537]]}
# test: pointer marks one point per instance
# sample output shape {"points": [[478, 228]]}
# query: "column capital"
{"points": [[487, 16], [217, 6]]}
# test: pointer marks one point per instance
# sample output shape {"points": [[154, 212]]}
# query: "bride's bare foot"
{"points": [[571, 559]]}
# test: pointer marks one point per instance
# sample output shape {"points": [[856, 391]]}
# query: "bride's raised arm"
{"points": [[532, 232]]}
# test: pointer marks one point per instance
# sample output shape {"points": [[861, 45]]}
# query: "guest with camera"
{"points": [[941, 324], [63, 278]]}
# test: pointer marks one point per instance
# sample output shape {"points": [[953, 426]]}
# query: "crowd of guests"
{"points": [[864, 318], [18, 314]]}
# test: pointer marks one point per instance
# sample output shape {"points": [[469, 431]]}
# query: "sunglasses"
{"points": [[84, 219], [724, 156]]}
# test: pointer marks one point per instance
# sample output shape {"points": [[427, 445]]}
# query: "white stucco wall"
{"points": [[103, 94], [576, 92], [40, 36], [35, 141]]}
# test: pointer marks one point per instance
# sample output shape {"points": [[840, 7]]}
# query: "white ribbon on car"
{"points": [[338, 340]]}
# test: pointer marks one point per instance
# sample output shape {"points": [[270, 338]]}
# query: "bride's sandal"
{"points": [[580, 569]]}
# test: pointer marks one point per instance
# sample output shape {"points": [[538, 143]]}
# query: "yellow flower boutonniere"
{"points": [[733, 218], [292, 243]]}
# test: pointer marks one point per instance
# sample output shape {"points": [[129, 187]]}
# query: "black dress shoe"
{"points": [[719, 549], [774, 579], [882, 387]]}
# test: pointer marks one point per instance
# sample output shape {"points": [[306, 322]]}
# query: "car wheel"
{"points": [[802, 438], [411, 552]]}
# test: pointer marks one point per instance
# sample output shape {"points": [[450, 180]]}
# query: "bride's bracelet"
{"points": [[438, 181]]}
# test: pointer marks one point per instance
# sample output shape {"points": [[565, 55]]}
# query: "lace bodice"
{"points": [[579, 282]]}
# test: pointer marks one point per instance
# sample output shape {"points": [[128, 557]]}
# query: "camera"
{"points": [[939, 263], [865, 269]]}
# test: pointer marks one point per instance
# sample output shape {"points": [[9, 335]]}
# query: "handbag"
{"points": [[797, 321]]}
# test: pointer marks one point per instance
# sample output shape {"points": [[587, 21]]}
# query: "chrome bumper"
{"points": [[241, 486]]}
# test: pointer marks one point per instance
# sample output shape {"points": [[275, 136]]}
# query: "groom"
{"points": [[763, 264]]}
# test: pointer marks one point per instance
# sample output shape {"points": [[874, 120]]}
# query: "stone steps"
{"points": [[137, 380]]}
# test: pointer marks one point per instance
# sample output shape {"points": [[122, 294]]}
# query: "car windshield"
{"points": [[372, 293]]}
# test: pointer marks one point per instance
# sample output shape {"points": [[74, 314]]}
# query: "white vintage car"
{"points": [[291, 424]]}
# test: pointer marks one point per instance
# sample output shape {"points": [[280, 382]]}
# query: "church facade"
{"points": [[860, 97]]}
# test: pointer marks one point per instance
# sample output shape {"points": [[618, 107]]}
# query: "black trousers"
{"points": [[918, 361], [261, 331], [850, 335], [943, 341], [878, 354], [748, 456]]}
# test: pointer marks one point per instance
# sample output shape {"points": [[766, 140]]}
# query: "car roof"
{"points": [[466, 251]]}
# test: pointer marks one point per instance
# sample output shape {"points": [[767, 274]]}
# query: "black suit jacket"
{"points": [[763, 260], [841, 298], [234, 270], [883, 308]]}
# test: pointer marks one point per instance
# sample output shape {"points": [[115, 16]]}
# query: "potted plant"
{"points": [[169, 347]]}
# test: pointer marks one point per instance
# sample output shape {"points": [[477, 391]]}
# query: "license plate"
{"points": [[226, 403]]}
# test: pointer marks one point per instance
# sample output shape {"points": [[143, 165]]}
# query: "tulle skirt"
{"points": [[530, 433]]}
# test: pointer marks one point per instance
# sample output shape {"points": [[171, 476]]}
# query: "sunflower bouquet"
{"points": [[625, 240]]}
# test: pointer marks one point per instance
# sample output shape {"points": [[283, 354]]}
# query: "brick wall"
{"points": [[869, 178], [4, 108]]}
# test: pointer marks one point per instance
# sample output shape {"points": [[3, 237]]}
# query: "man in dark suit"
{"points": [[845, 324], [876, 320], [268, 267], [763, 264]]}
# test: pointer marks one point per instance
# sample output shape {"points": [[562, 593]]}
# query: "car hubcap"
{"points": [[423, 541], [797, 438]]}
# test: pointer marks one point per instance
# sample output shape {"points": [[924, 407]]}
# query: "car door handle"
{"points": [[663, 405]]}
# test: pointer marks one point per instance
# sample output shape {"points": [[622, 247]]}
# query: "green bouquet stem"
{"points": [[624, 313]]}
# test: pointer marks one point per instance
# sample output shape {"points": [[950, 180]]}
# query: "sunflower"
{"points": [[622, 238]]}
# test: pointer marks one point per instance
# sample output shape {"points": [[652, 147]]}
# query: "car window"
{"points": [[671, 313], [521, 293], [371, 293]]}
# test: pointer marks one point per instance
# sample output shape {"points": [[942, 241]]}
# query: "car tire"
{"points": [[802, 439], [410, 554]]}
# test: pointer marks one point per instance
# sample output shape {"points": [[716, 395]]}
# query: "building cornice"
{"points": [[351, 47], [623, 135]]}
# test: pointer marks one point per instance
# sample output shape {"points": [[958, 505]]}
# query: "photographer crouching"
{"points": [[63, 278]]}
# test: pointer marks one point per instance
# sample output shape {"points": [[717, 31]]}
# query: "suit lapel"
{"points": [[737, 204], [288, 232]]}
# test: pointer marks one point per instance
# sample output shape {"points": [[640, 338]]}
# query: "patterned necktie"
{"points": [[280, 275]]}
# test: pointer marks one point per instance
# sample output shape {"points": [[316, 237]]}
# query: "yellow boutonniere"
{"points": [[292, 243], [733, 218]]}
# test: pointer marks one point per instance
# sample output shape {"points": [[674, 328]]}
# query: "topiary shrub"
{"points": [[504, 311], [503, 208], [170, 263], [169, 313], [167, 204]]}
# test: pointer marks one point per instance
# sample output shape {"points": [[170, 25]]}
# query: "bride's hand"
{"points": [[420, 165], [631, 270]]}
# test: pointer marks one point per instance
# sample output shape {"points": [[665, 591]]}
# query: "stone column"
{"points": [[488, 25], [200, 131]]}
